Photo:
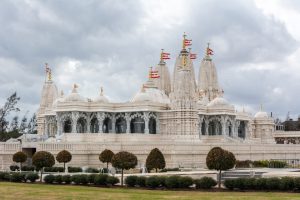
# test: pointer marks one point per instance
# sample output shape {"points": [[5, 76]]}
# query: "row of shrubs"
{"points": [[170, 182], [82, 179], [260, 163], [24, 168], [284, 183], [53, 169], [170, 169], [19, 177]]}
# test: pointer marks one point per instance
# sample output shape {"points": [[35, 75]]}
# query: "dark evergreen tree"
{"points": [[23, 124], [32, 125], [155, 160], [124, 160]]}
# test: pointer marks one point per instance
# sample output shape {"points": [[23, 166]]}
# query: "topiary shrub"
{"points": [[14, 168], [91, 170], [130, 181], [152, 182], [228, 183], [106, 156], [42, 159], [155, 160], [185, 182], [141, 181], [100, 179], [19, 157], [58, 179], [74, 169], [64, 156], [28, 168], [79, 179], [220, 160], [66, 179], [124, 160], [53, 169], [91, 178], [17, 177], [49, 179], [32, 177], [260, 184], [273, 183], [172, 182], [208, 182], [287, 183], [112, 180]]}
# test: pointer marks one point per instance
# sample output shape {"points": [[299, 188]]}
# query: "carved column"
{"points": [[127, 117], [88, 123], [146, 118], [100, 118], [157, 124], [46, 127], [113, 123], [75, 116], [223, 124], [58, 124]]}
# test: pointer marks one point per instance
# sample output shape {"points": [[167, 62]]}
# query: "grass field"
{"points": [[20, 191]]}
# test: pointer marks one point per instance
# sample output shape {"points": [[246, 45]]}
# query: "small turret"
{"points": [[163, 82]]}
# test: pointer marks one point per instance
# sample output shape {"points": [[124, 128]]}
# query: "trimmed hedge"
{"points": [[141, 181], [53, 169], [170, 170], [74, 169], [14, 168], [28, 168], [32, 177], [153, 182], [49, 179], [66, 179], [112, 180], [92, 170], [101, 179], [274, 183], [205, 183], [58, 179], [78, 179], [243, 163], [130, 181], [17, 177]]}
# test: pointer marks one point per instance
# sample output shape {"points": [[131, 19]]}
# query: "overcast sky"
{"points": [[112, 43]]}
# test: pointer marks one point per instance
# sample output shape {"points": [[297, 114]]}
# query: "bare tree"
{"points": [[10, 105]]}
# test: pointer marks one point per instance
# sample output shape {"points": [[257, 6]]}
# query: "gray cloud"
{"points": [[112, 43]]}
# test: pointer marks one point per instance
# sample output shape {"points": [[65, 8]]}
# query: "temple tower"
{"points": [[163, 82], [49, 95], [208, 79]]}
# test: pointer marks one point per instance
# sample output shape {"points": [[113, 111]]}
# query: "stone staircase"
{"points": [[241, 174]]}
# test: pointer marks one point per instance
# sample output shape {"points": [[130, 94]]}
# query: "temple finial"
{"points": [[101, 91], [183, 41], [209, 51], [48, 72], [75, 86]]}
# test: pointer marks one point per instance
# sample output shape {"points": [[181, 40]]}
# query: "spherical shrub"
{"points": [[273, 183], [286, 183], [141, 181], [153, 182], [91, 178], [66, 179], [32, 177], [14, 168], [206, 183], [100, 179], [130, 181], [58, 179], [229, 184], [185, 182], [49, 178], [79, 179], [17, 177], [112, 180]]}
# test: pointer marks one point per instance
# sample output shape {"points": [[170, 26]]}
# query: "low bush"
{"points": [[130, 181], [185, 182], [79, 179], [249, 183], [53, 169], [287, 183], [273, 183], [170, 169], [17, 177], [91, 178], [260, 184], [28, 168], [297, 183], [243, 163], [32, 177], [152, 182], [66, 179], [58, 179], [100, 179], [261, 163], [49, 179], [112, 180], [74, 169], [277, 164], [228, 183], [208, 182], [162, 180], [141, 181], [14, 168], [172, 182], [4, 176], [91, 170]]}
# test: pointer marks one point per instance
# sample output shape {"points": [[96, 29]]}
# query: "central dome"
{"points": [[151, 95], [74, 96], [219, 101]]}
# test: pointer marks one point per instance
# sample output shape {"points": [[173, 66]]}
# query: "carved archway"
{"points": [[107, 125], [121, 125], [94, 128], [81, 126], [137, 125], [152, 125]]}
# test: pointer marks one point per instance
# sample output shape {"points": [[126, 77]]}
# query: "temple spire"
{"points": [[48, 77]]}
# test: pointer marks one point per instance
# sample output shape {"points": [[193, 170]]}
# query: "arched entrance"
{"points": [[67, 126], [152, 125], [107, 125], [137, 125], [81, 126], [121, 125], [94, 125]]}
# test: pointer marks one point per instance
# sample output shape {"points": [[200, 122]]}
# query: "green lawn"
{"points": [[20, 191]]}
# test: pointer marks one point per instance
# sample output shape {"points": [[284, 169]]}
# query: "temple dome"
{"points": [[261, 114], [59, 99], [74, 96], [219, 101], [101, 98], [151, 95]]}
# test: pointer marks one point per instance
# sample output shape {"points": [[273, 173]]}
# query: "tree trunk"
{"points": [[219, 177], [64, 167], [156, 170], [41, 178], [107, 166], [122, 178], [20, 166]]}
